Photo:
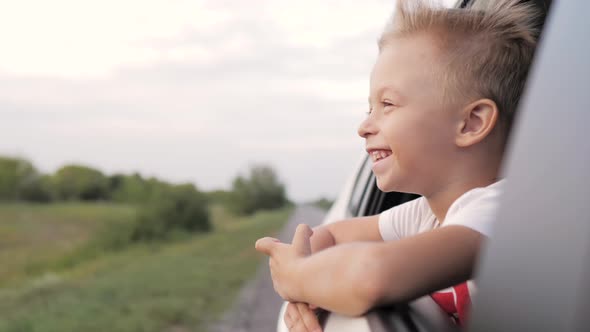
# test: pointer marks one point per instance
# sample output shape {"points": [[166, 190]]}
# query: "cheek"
{"points": [[406, 157], [429, 135], [415, 152], [406, 146], [415, 136]]}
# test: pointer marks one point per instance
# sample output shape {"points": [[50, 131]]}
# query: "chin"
{"points": [[389, 184], [385, 185]]}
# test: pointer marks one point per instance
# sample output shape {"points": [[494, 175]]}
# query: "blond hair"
{"points": [[486, 50]]}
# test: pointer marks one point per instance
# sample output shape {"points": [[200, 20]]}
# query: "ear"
{"points": [[477, 121]]}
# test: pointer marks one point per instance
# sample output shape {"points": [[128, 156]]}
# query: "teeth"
{"points": [[381, 154]]}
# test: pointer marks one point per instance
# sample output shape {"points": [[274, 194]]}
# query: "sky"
{"points": [[190, 91]]}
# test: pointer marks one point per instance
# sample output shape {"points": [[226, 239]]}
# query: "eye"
{"points": [[369, 111], [388, 106]]}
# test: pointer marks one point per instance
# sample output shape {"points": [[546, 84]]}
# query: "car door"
{"points": [[535, 274]]}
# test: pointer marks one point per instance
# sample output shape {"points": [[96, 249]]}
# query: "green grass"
{"points": [[178, 286], [32, 235]]}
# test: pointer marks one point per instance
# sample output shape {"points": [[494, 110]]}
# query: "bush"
{"points": [[172, 208], [75, 182], [323, 203], [40, 189], [222, 197], [133, 188], [15, 173], [261, 191]]}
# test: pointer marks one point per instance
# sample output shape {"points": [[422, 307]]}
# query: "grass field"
{"points": [[178, 286]]}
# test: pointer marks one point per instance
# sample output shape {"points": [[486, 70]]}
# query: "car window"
{"points": [[361, 186]]}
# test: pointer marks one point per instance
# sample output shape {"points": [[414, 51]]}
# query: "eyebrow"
{"points": [[387, 88]]}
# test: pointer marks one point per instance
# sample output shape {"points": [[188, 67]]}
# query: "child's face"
{"points": [[408, 123]]}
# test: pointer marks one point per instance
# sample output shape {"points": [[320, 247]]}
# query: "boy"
{"points": [[443, 94]]}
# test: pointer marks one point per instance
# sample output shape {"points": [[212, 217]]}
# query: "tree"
{"points": [[15, 174], [323, 203], [132, 188], [220, 196], [76, 182], [39, 189], [262, 190], [179, 207]]}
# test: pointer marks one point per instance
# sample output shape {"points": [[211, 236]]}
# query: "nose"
{"points": [[367, 127]]}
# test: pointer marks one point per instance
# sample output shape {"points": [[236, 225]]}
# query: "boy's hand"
{"points": [[300, 317], [285, 260]]}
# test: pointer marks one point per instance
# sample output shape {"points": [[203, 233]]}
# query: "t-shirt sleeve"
{"points": [[476, 210], [402, 220]]}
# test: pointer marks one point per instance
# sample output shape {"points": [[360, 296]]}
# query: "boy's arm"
{"points": [[353, 278], [349, 230], [325, 236]]}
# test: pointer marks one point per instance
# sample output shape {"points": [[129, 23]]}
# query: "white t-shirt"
{"points": [[475, 209]]}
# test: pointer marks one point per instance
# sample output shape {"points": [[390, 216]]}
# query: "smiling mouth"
{"points": [[378, 155]]}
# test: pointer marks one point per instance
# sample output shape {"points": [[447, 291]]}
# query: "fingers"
{"points": [[291, 315], [293, 319], [266, 245], [309, 318], [287, 318], [301, 241], [299, 318]]}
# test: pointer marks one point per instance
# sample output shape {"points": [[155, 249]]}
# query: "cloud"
{"points": [[192, 90], [69, 38]]}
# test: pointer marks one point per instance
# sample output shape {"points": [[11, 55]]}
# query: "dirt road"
{"points": [[257, 307]]}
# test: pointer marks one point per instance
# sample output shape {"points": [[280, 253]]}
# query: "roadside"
{"points": [[61, 271], [257, 306]]}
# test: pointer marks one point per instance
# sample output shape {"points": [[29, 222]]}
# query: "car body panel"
{"points": [[535, 274]]}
